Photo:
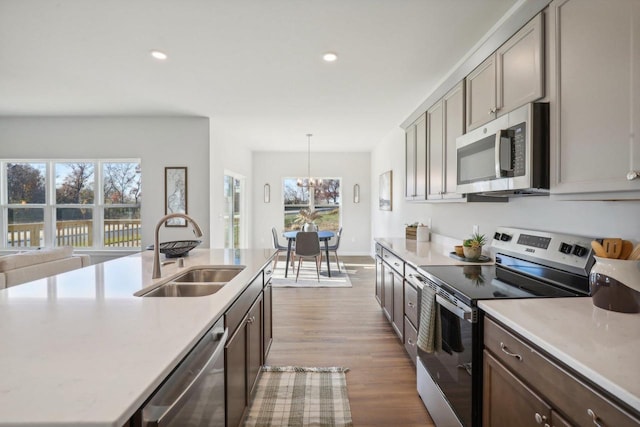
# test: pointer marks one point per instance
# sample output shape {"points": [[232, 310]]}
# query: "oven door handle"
{"points": [[461, 312]]}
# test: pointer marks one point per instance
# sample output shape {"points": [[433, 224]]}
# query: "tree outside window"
{"points": [[325, 200], [26, 196], [78, 203], [122, 193]]}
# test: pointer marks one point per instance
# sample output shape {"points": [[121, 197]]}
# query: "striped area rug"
{"points": [[295, 396]]}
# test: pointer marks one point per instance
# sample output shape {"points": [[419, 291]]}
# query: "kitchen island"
{"points": [[80, 349]]}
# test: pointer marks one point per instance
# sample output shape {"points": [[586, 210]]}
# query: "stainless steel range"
{"points": [[529, 264]]}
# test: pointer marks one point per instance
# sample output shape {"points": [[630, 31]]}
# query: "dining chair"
{"points": [[308, 246], [334, 247], [279, 248]]}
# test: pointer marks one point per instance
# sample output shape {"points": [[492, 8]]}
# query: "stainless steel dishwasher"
{"points": [[193, 394]]}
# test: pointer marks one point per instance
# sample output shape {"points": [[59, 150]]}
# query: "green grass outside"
{"points": [[328, 220]]}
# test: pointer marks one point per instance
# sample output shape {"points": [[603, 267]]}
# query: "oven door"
{"points": [[451, 367]]}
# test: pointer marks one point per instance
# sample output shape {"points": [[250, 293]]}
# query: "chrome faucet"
{"points": [[156, 246]]}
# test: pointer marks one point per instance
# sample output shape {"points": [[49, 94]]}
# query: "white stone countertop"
{"points": [[602, 345], [79, 349], [435, 252]]}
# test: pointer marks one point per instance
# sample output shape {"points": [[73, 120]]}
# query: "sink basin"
{"points": [[209, 275], [185, 290], [196, 283]]}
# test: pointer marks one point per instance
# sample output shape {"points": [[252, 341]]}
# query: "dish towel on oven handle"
{"points": [[429, 329]]}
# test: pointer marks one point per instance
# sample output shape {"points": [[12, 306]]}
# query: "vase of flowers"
{"points": [[472, 248], [305, 219]]}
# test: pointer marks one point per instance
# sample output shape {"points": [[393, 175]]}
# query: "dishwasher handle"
{"points": [[157, 418]]}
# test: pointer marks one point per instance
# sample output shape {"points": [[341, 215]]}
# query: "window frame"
{"points": [[50, 206], [339, 204]]}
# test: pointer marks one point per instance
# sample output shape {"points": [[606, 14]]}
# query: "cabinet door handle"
{"points": [[251, 319], [505, 350], [632, 175], [540, 418], [410, 304], [396, 264], [411, 343], [596, 420]]}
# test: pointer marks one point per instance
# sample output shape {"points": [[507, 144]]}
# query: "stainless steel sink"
{"points": [[209, 275], [172, 289], [196, 283]]}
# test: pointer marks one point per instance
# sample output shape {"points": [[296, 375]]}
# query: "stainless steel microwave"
{"points": [[509, 155]]}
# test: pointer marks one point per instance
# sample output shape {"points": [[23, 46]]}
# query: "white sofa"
{"points": [[33, 265]]}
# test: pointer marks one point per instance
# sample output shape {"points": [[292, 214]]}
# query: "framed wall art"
{"points": [[175, 194], [385, 195]]}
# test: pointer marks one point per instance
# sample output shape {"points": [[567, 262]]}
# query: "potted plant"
{"points": [[472, 248], [305, 219]]}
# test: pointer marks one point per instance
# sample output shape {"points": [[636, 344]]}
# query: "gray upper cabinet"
{"points": [[435, 148], [511, 77], [481, 94], [416, 160], [445, 122], [519, 67], [595, 110]]}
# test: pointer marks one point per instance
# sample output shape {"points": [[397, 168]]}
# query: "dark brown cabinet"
{"points": [[267, 325], [507, 401], [520, 379], [410, 317], [398, 305], [390, 288], [379, 278], [254, 345], [387, 292], [249, 321], [236, 375], [243, 357]]}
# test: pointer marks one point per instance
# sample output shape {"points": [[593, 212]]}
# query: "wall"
{"points": [[157, 141], [587, 218], [227, 154], [353, 168]]}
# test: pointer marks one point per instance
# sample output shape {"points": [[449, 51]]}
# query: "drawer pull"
{"points": [[506, 351], [596, 420], [411, 343], [410, 304], [540, 418]]}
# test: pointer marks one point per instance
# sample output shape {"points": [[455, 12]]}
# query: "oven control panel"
{"points": [[564, 250]]}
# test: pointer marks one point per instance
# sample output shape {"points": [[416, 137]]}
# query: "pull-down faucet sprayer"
{"points": [[156, 246]]}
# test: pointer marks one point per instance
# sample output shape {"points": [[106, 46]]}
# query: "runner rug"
{"points": [[308, 277], [295, 396]]}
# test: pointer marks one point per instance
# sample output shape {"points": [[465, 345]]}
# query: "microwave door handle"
{"points": [[497, 152], [503, 154]]}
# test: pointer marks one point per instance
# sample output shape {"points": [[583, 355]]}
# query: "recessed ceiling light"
{"points": [[159, 55], [329, 56]]}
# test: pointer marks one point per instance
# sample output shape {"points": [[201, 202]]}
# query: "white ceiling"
{"points": [[253, 66]]}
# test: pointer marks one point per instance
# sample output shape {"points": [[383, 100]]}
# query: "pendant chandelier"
{"points": [[309, 181]]}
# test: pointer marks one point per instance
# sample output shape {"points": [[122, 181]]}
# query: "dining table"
{"points": [[323, 236]]}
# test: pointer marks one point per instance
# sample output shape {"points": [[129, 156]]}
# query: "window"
{"points": [[56, 203], [325, 199]]}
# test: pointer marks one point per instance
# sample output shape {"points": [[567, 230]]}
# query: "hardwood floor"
{"points": [[346, 327]]}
